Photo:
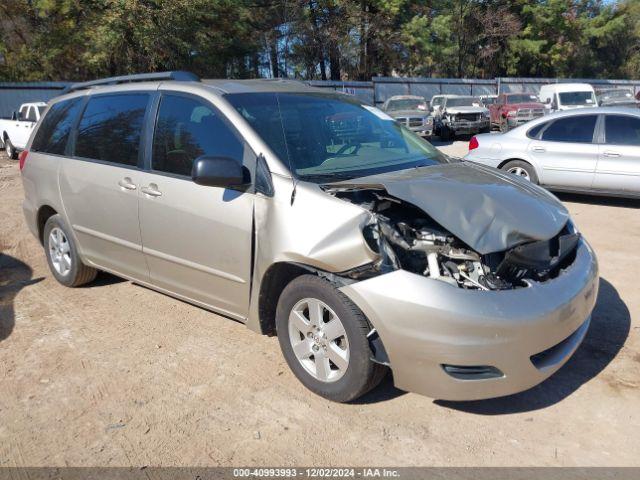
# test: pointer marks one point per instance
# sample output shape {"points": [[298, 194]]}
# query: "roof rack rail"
{"points": [[139, 77]]}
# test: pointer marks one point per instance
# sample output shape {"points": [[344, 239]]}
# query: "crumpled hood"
{"points": [[488, 210]]}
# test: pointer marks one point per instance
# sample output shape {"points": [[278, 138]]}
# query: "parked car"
{"points": [[309, 215], [616, 97], [412, 112], [588, 150], [513, 109], [16, 131], [568, 96], [458, 115], [488, 99]]}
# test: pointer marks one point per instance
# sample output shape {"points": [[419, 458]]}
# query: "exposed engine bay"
{"points": [[406, 238]]}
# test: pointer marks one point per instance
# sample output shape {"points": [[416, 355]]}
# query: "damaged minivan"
{"points": [[317, 218]]}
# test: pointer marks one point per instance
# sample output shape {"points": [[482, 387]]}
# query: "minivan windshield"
{"points": [[329, 137], [577, 98]]}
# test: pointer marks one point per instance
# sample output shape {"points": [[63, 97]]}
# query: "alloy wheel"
{"points": [[319, 340], [60, 251], [520, 172]]}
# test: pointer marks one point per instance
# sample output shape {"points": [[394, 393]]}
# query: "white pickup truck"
{"points": [[15, 133]]}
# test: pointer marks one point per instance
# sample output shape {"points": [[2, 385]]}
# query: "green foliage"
{"points": [[339, 39]]}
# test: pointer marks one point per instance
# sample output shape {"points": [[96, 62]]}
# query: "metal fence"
{"points": [[12, 95], [532, 85], [379, 89]]}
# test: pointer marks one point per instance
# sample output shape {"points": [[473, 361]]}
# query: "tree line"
{"points": [[319, 39]]}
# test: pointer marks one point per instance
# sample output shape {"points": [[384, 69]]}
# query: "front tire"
{"points": [[11, 151], [323, 337], [62, 255], [447, 135], [521, 169]]}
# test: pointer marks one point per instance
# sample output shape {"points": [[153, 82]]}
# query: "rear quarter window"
{"points": [[53, 133], [535, 131], [111, 128]]}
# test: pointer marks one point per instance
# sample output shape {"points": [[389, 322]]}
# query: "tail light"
{"points": [[473, 143], [23, 158]]}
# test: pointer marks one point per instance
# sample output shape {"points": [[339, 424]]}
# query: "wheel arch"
{"points": [[513, 159], [273, 282], [44, 213]]}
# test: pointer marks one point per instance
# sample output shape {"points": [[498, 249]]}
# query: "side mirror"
{"points": [[547, 100], [221, 172], [14, 115]]}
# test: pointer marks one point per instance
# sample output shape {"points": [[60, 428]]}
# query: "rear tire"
{"points": [[62, 255], [521, 169], [12, 153], [306, 340]]}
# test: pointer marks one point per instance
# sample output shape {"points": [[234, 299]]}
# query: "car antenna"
{"points": [[293, 192]]}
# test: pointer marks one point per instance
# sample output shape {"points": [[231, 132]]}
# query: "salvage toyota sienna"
{"points": [[315, 217]]}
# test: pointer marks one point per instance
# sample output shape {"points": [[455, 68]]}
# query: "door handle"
{"points": [[539, 149], [151, 190], [127, 184], [610, 154]]}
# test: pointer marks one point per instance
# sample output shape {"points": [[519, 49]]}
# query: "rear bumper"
{"points": [[527, 333], [30, 215]]}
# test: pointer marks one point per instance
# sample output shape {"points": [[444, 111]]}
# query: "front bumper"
{"points": [[425, 130], [425, 324], [517, 121], [466, 127]]}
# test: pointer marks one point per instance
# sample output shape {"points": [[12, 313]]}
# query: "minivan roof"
{"points": [[262, 85], [151, 80], [215, 86]]}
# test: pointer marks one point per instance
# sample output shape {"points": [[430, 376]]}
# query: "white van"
{"points": [[567, 96]]}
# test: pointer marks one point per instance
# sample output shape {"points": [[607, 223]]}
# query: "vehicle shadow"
{"points": [[14, 276], [599, 200], [610, 325], [438, 142], [104, 279], [382, 393]]}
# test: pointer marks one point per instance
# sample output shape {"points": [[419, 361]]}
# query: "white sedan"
{"points": [[594, 150]]}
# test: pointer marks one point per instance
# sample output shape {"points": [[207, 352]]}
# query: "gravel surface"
{"points": [[116, 374]]}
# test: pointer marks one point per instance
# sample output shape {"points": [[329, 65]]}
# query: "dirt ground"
{"points": [[117, 375]]}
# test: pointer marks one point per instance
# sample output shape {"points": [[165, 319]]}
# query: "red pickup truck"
{"points": [[513, 109]]}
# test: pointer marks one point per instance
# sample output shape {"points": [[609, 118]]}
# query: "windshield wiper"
{"points": [[327, 177]]}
